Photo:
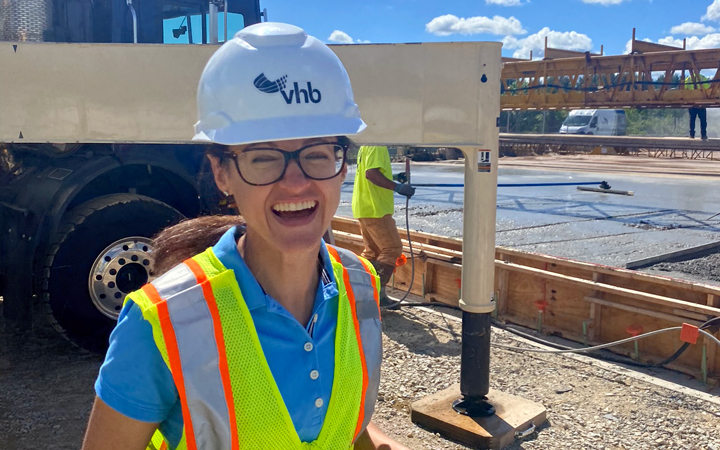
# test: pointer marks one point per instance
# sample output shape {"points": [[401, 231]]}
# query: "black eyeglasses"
{"points": [[260, 166]]}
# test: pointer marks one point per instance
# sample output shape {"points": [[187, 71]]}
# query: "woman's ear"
{"points": [[219, 173]]}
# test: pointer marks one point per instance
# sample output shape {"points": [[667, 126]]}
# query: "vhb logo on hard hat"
{"points": [[271, 87], [238, 101]]}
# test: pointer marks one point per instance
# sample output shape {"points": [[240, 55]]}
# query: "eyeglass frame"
{"points": [[289, 156]]}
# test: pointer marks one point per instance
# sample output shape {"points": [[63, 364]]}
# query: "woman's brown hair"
{"points": [[175, 244]]}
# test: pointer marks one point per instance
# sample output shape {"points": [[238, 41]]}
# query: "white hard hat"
{"points": [[273, 82]]}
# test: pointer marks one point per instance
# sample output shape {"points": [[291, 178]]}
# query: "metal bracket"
{"points": [[523, 434]]}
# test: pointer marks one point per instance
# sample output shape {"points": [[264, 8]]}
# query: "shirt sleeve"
{"points": [[377, 157], [134, 379]]}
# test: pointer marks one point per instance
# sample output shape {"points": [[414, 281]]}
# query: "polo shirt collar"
{"points": [[253, 294]]}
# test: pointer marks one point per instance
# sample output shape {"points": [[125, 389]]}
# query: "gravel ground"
{"points": [[589, 406], [47, 392], [704, 270]]}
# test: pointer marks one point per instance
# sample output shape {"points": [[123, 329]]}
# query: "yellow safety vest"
{"points": [[702, 81], [229, 399]]}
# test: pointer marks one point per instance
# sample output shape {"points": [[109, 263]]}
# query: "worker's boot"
{"points": [[385, 272]]}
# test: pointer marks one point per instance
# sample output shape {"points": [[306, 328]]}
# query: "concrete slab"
{"points": [[667, 213]]}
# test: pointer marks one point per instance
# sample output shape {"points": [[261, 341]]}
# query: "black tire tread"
{"points": [[75, 218]]}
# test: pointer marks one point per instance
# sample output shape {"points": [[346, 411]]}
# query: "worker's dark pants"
{"points": [[700, 113]]}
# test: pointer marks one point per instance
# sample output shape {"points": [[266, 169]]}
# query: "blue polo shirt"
{"points": [[135, 381]]}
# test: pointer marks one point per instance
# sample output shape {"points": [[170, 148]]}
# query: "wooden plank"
{"points": [[447, 281], [689, 315], [595, 322], [644, 311], [594, 327], [650, 47], [512, 414], [637, 295], [502, 287], [560, 53], [713, 361], [429, 280], [687, 253], [632, 277]]}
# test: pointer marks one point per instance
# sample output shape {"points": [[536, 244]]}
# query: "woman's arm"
{"points": [[374, 439], [110, 430]]}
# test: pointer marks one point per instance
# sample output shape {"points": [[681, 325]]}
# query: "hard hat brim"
{"points": [[282, 129]]}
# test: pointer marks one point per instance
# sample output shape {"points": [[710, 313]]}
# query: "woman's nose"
{"points": [[294, 177]]}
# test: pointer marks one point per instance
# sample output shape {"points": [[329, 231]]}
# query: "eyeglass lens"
{"points": [[267, 165]]}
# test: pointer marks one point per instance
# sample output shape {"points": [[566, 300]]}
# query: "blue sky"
{"points": [[520, 24]]}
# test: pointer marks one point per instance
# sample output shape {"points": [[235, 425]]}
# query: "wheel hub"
{"points": [[123, 267]]}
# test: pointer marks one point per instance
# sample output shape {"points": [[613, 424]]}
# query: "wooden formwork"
{"points": [[587, 303], [618, 81]]}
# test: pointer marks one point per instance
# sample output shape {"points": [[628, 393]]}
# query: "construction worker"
{"points": [[373, 205], [269, 339], [697, 112]]}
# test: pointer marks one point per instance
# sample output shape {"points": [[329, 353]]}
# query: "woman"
{"points": [[269, 339]]}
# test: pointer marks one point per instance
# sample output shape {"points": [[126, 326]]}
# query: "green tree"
{"points": [[656, 122]]}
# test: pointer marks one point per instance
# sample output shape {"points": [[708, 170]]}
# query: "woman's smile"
{"points": [[295, 213]]}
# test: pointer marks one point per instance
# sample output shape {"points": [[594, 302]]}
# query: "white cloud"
{"points": [[568, 40], [449, 24], [604, 2], [694, 43], [713, 11], [504, 2], [341, 37], [689, 28]]}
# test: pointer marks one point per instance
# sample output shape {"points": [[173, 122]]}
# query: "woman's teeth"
{"points": [[282, 207]]}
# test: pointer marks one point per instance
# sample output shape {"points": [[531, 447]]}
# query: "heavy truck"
{"points": [[76, 218]]}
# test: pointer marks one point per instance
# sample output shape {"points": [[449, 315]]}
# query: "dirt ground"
{"points": [[47, 391]]}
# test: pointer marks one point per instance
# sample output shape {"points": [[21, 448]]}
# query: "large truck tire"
{"points": [[100, 253]]}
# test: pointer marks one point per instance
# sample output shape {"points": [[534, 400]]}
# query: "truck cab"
{"points": [[602, 122], [125, 21], [78, 217]]}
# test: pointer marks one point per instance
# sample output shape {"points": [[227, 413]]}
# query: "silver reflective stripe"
{"points": [[174, 280], [194, 332], [368, 315]]}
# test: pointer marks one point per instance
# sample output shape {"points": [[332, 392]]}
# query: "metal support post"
{"points": [[475, 366], [134, 21], [478, 276], [213, 23], [225, 13]]}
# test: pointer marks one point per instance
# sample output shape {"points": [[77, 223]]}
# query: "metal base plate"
{"points": [[514, 417]]}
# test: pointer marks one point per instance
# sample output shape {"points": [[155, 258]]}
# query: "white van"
{"points": [[603, 122]]}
